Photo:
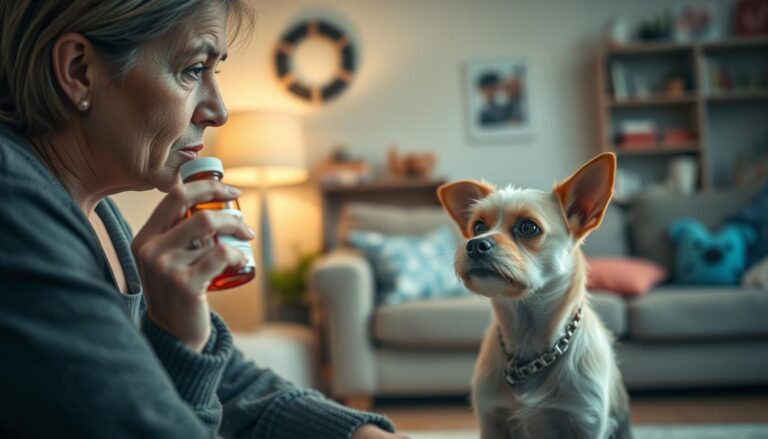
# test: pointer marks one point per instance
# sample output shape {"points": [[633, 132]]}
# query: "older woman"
{"points": [[101, 336]]}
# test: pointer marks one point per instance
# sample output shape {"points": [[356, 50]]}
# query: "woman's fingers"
{"points": [[199, 229], [203, 226], [211, 263], [182, 197]]}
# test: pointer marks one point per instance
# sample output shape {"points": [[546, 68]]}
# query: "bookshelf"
{"points": [[707, 101]]}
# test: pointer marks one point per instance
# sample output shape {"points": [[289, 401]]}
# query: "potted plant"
{"points": [[289, 289]]}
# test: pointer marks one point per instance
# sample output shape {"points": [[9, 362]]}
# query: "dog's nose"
{"points": [[713, 255], [479, 247]]}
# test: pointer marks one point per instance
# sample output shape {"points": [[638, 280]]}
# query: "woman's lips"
{"points": [[191, 151]]}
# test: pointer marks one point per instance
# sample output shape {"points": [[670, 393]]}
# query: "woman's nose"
{"points": [[211, 111]]}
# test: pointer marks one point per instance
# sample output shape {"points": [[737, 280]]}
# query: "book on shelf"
{"points": [[707, 75], [619, 80], [638, 138], [636, 145], [634, 141], [673, 137], [637, 134], [637, 126]]}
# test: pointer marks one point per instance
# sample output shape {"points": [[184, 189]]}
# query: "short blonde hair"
{"points": [[30, 99]]}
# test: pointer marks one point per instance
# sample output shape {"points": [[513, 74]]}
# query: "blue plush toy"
{"points": [[713, 259]]}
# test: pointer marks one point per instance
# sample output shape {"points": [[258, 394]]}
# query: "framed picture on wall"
{"points": [[498, 99]]}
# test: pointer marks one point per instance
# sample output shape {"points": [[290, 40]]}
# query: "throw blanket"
{"points": [[757, 276], [755, 215]]}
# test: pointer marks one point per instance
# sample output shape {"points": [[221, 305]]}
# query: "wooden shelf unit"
{"points": [[656, 149], [751, 95], [662, 47], [654, 100], [695, 106]]}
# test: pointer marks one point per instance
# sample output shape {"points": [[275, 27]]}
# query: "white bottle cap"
{"points": [[201, 164]]}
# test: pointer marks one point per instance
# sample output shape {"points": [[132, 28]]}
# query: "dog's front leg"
{"points": [[493, 425], [590, 425]]}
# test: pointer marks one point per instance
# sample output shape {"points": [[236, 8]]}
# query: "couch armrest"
{"points": [[344, 283]]}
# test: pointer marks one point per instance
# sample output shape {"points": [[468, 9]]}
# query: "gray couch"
{"points": [[672, 337]]}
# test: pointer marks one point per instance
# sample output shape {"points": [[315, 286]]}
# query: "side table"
{"points": [[290, 350]]}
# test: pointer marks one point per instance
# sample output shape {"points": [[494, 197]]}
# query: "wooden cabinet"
{"points": [[705, 101]]}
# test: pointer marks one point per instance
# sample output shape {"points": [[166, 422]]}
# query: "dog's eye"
{"points": [[527, 229], [479, 227]]}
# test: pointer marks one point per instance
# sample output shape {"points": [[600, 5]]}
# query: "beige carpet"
{"points": [[738, 431]]}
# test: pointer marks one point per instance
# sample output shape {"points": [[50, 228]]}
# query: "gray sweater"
{"points": [[79, 359]]}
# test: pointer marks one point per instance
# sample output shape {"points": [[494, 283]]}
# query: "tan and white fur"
{"points": [[522, 250]]}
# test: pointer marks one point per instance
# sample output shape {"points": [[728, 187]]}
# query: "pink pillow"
{"points": [[627, 276]]}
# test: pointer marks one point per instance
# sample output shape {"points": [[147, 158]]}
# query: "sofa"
{"points": [[672, 337]]}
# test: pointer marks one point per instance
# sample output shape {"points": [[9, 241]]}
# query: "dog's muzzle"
{"points": [[478, 248]]}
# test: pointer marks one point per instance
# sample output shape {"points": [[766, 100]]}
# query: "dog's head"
{"points": [[518, 240]]}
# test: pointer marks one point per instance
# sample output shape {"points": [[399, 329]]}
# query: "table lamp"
{"points": [[262, 149]]}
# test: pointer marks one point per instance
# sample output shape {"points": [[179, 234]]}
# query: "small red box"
{"points": [[638, 138], [678, 137], [751, 17]]}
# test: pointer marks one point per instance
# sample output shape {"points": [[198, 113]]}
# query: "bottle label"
{"points": [[240, 244]]}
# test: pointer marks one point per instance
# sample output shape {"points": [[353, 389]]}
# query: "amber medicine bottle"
{"points": [[210, 168]]}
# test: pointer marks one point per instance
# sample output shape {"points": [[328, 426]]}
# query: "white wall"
{"points": [[409, 90]]}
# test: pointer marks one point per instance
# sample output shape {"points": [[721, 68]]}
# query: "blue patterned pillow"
{"points": [[411, 267]]}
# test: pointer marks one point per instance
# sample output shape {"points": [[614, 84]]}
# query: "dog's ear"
{"points": [[585, 195], [458, 197]]}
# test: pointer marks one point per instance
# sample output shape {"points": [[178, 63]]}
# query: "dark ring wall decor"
{"points": [[315, 93]]}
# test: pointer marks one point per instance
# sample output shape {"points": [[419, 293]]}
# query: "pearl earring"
{"points": [[83, 105]]}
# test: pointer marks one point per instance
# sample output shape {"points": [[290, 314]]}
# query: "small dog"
{"points": [[546, 367]]}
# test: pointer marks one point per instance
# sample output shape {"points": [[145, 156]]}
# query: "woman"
{"points": [[100, 336]]}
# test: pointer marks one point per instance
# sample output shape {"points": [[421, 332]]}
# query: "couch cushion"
{"points": [[699, 313], [652, 213], [612, 310], [391, 220], [461, 323], [610, 239], [411, 267], [627, 276], [438, 323]]}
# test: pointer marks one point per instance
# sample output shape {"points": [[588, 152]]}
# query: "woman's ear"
{"points": [[72, 58], [457, 199], [584, 196]]}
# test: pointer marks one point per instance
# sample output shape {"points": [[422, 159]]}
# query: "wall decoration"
{"points": [[339, 61], [498, 99]]}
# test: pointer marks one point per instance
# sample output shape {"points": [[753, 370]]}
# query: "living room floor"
{"points": [[719, 406]]}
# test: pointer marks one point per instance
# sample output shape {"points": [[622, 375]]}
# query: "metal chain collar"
{"points": [[515, 373]]}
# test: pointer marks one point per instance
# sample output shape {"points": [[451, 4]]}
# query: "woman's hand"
{"points": [[175, 275], [370, 431]]}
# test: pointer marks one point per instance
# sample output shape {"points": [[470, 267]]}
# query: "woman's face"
{"points": [[153, 121]]}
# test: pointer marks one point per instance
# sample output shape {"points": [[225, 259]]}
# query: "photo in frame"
{"points": [[498, 99]]}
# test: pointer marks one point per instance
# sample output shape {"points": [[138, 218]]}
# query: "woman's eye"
{"points": [[479, 227], [527, 229], [196, 71]]}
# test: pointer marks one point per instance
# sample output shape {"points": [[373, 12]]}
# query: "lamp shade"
{"points": [[262, 148]]}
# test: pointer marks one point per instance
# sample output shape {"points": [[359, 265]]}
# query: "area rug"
{"points": [[719, 431]]}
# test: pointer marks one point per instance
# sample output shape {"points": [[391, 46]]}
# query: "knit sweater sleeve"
{"points": [[195, 375], [72, 364], [258, 403]]}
